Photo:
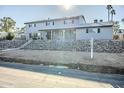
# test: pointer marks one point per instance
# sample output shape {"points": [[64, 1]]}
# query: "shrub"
{"points": [[10, 36], [115, 37]]}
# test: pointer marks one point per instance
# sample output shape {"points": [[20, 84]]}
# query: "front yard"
{"points": [[77, 60]]}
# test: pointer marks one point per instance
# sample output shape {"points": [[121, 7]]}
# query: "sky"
{"points": [[27, 13]]}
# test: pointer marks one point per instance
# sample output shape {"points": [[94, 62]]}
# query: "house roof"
{"points": [[99, 24], [64, 18]]}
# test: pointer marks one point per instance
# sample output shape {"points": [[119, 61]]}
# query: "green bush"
{"points": [[10, 36]]}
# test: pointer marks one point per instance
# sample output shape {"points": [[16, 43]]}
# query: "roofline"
{"points": [[76, 27], [64, 18]]}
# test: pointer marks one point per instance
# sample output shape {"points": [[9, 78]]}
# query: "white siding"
{"points": [[105, 33], [58, 24]]}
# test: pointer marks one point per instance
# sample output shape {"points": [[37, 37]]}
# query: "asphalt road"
{"points": [[115, 80]]}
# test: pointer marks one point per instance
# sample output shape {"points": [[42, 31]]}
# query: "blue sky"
{"points": [[22, 14]]}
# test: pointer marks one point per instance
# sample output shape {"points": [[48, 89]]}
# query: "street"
{"points": [[24, 75]]}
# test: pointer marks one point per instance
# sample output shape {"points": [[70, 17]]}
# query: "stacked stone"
{"points": [[5, 44], [109, 46]]}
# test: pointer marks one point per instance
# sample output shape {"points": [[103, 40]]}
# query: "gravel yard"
{"points": [[66, 57]]}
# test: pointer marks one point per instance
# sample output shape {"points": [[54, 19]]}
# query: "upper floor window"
{"points": [[46, 23], [98, 31], [29, 25], [53, 22], [34, 25], [64, 22], [72, 21]]}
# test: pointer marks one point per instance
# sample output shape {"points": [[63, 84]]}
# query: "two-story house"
{"points": [[68, 28]]}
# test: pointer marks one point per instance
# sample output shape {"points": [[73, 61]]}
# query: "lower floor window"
{"points": [[98, 30]]}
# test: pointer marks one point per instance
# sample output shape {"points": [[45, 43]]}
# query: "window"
{"points": [[46, 23], [53, 22], [72, 21], [30, 25], [98, 31], [87, 30], [64, 21], [30, 35], [48, 35], [34, 25]]}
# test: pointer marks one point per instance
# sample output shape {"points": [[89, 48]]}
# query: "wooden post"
{"points": [[51, 35], [91, 48], [63, 35]]}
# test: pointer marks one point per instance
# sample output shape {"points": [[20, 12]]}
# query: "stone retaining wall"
{"points": [[5, 44], [109, 46]]}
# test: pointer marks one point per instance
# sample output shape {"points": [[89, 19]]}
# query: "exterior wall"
{"points": [[105, 33], [59, 35], [58, 24], [77, 23], [77, 34]]}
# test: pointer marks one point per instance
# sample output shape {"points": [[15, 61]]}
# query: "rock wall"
{"points": [[109, 46], [5, 44]]}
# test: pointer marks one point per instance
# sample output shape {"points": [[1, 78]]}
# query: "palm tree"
{"points": [[7, 24], [109, 7], [112, 13]]}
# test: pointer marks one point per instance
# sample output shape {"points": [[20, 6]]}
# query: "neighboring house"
{"points": [[3, 34], [68, 28], [19, 35]]}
